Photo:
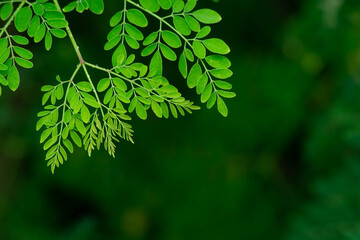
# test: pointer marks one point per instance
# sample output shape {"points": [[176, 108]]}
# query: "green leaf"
{"points": [[68, 145], [84, 86], [115, 20], [156, 109], [136, 17], [150, 39], [194, 75], [91, 103], [3, 81], [149, 50], [141, 111], [164, 109], [108, 96], [156, 65], [38, 9], [3, 44], [218, 61], [221, 73], [199, 49], [59, 33], [202, 83], [34, 26], [151, 5], [51, 15], [207, 16], [134, 32], [222, 107], [181, 25], [20, 40], [13, 78], [183, 65], [167, 52], [189, 55], [75, 137], [23, 18], [132, 42], [223, 85], [226, 94], [22, 52], [165, 4], [190, 5], [114, 32], [173, 110], [57, 23], [3, 67], [70, 7], [171, 39], [23, 63], [212, 100], [96, 6], [48, 41], [205, 31], [48, 6], [40, 33], [45, 134], [80, 127], [80, 7], [178, 6], [6, 11], [193, 23], [120, 50], [206, 93], [112, 43], [50, 142], [120, 84], [85, 114], [103, 84], [216, 45], [65, 132], [59, 92]]}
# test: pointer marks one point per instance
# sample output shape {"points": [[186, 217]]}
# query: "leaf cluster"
{"points": [[41, 21], [91, 114]]}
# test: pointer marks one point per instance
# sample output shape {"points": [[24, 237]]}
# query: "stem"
{"points": [[71, 36], [81, 59], [64, 105], [12, 18], [92, 85], [123, 23]]}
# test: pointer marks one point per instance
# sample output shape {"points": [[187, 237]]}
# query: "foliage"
{"points": [[90, 115], [335, 211]]}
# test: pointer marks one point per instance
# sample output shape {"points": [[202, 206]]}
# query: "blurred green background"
{"points": [[284, 164]]}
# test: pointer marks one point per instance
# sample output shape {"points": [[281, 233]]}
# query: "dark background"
{"points": [[283, 165]]}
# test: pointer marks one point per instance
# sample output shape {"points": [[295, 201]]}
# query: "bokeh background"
{"points": [[284, 164]]}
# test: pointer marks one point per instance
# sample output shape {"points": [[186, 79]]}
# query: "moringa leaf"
{"points": [[23, 18], [207, 16], [96, 6], [13, 78]]}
